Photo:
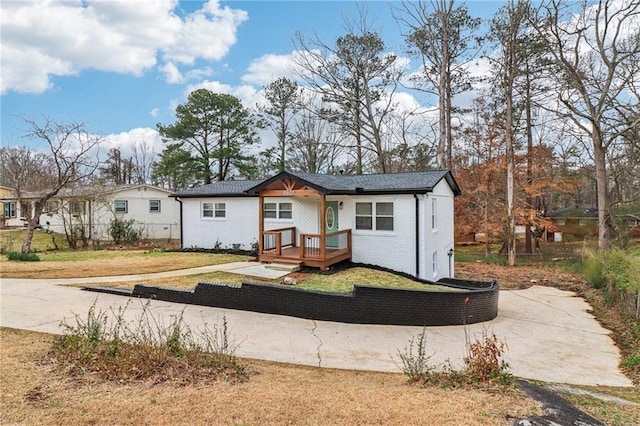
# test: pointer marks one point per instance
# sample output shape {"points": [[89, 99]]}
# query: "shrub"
{"points": [[415, 361], [123, 231], [483, 361], [592, 270], [22, 257], [106, 345]]}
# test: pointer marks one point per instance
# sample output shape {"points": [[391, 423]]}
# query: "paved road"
{"points": [[550, 335]]}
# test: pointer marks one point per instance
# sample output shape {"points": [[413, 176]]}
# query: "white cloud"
{"points": [[43, 38], [171, 73], [126, 140], [154, 112], [268, 68]]}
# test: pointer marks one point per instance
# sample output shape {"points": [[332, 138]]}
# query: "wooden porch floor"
{"points": [[293, 255]]}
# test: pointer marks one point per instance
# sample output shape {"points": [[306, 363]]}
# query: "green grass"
{"points": [[11, 240]]}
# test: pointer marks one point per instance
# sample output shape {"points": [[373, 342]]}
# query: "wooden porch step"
{"points": [[292, 266]]}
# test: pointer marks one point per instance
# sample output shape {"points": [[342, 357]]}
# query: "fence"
{"points": [[148, 231]]}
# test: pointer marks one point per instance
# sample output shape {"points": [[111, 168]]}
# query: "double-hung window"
{"points": [[220, 210], [77, 207], [374, 216], [121, 206], [278, 210], [9, 209], [207, 209], [154, 206]]}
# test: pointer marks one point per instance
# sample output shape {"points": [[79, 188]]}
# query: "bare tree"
{"points": [[443, 36], [596, 53], [357, 80], [69, 161], [143, 157], [316, 145]]}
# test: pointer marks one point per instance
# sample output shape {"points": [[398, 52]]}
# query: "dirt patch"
{"points": [[520, 277]]}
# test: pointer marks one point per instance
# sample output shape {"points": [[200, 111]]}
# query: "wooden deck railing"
{"points": [[274, 240], [311, 244]]}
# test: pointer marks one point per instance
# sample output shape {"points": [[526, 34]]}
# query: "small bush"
{"points": [[483, 361], [22, 257], [123, 231], [106, 345], [415, 361], [592, 270]]}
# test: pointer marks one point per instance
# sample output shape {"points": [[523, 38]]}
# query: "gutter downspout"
{"points": [[415, 196], [180, 201]]}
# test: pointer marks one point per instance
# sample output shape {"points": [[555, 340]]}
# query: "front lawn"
{"points": [[90, 263]]}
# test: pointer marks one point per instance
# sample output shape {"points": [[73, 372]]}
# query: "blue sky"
{"points": [[123, 66]]}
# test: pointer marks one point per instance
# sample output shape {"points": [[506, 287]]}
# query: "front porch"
{"points": [[286, 245]]}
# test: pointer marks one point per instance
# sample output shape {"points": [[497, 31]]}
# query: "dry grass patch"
{"points": [[85, 264], [35, 393]]}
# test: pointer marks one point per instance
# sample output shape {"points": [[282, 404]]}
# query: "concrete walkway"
{"points": [[550, 335]]}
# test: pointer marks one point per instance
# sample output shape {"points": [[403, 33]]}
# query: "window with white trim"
{"points": [[77, 207], [220, 210], [583, 222], [154, 206], [381, 212], [9, 209], [434, 263], [278, 210], [560, 222], [434, 213], [285, 211], [121, 206], [632, 223], [207, 209]]}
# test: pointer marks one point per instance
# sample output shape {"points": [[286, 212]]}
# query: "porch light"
{"points": [[450, 252], [340, 204]]}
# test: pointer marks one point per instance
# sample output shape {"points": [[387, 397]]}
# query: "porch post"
{"points": [[260, 222], [323, 231]]}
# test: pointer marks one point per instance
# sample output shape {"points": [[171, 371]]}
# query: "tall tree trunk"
{"points": [[529, 124], [602, 191], [511, 232]]}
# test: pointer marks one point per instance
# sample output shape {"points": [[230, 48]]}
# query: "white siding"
{"points": [[389, 249], [239, 226], [440, 239]]}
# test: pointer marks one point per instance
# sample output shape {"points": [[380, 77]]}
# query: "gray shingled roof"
{"points": [[229, 188], [411, 182]]}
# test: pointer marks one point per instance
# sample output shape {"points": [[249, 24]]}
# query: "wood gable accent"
{"points": [[287, 187]]}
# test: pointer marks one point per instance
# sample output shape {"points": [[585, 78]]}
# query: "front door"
{"points": [[331, 223]]}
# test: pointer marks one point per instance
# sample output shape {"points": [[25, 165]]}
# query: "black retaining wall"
{"points": [[472, 302]]}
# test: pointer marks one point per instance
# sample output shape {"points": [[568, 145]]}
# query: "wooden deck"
{"points": [[280, 246]]}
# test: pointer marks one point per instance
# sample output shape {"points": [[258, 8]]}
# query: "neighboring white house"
{"points": [[398, 221], [94, 207]]}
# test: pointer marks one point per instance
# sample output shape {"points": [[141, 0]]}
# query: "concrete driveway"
{"points": [[550, 335]]}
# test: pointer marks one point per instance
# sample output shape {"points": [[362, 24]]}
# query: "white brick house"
{"points": [[398, 221]]}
